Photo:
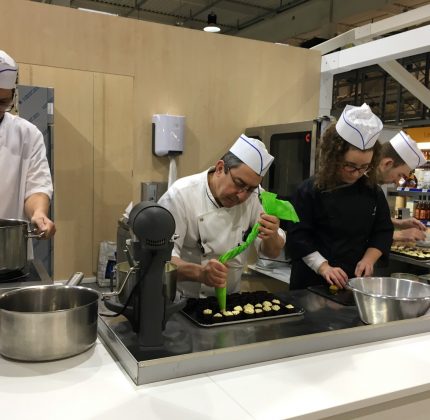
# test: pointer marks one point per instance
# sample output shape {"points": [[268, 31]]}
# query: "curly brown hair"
{"points": [[331, 152]]}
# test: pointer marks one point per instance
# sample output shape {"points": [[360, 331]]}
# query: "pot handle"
{"points": [[31, 234], [75, 279]]}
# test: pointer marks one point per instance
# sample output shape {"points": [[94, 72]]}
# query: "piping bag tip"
{"points": [[221, 295]]}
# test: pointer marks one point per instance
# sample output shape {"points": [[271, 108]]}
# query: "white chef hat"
{"points": [[408, 150], [359, 126], [253, 153], [8, 71]]}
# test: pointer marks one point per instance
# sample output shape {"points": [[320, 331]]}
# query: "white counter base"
{"points": [[93, 386]]}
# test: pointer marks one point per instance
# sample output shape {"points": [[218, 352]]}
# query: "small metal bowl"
{"points": [[384, 299]]}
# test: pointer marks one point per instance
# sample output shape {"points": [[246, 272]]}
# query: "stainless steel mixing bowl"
{"points": [[383, 299]]}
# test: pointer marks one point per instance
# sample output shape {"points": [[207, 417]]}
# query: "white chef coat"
{"points": [[207, 230], [24, 168]]}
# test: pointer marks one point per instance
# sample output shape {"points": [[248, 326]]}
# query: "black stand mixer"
{"points": [[150, 303]]}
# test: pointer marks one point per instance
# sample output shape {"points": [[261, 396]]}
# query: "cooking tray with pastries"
{"points": [[241, 307], [412, 251]]}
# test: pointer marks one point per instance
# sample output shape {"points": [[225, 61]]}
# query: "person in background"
{"points": [[214, 211], [26, 185], [345, 224], [399, 157]]}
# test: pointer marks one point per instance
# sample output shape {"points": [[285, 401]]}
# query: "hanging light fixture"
{"points": [[212, 25]]}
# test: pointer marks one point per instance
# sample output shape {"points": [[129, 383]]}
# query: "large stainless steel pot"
{"points": [[13, 244], [40, 323]]}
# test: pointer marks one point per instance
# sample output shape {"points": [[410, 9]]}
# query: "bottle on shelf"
{"points": [[423, 210], [417, 212]]}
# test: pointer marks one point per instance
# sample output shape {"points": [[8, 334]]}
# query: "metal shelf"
{"points": [[409, 191]]}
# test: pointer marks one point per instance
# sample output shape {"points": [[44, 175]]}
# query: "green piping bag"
{"points": [[281, 209]]}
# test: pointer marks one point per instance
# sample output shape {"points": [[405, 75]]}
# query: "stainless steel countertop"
{"points": [[182, 336], [190, 349]]}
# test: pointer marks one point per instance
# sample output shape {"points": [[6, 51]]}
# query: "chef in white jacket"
{"points": [[26, 185], [214, 211], [398, 158]]}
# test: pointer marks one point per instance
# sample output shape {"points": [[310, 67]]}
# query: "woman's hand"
{"points": [[333, 275], [364, 268]]}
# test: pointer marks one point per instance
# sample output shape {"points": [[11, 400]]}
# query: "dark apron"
{"points": [[342, 229]]}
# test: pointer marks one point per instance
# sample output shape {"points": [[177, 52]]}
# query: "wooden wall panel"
{"points": [[113, 154], [73, 164], [57, 36]]}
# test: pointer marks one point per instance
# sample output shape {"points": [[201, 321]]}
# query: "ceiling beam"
{"points": [[372, 30], [405, 44], [382, 51], [408, 81]]}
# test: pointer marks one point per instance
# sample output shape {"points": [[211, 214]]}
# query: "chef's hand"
{"points": [[409, 235], [214, 274], [333, 275], [43, 225], [409, 223], [364, 268], [269, 226]]}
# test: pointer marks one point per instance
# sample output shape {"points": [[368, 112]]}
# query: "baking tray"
{"points": [[343, 296], [424, 259], [195, 306]]}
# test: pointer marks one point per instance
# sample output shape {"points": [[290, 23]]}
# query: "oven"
{"points": [[294, 147]]}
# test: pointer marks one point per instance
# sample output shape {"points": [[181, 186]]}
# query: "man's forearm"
{"points": [[37, 203], [272, 247], [372, 255], [187, 271]]}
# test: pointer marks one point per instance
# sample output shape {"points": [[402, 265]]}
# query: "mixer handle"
{"points": [[128, 253], [107, 295]]}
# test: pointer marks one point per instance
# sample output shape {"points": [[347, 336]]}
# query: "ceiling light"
{"points": [[212, 25], [97, 11]]}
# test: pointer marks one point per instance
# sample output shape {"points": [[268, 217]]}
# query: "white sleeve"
{"points": [[314, 261], [39, 175]]}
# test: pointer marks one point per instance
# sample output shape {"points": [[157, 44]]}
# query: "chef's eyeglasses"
{"points": [[352, 169], [240, 185]]}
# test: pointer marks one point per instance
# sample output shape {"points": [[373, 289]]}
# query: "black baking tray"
{"points": [[194, 308], [425, 259], [343, 296]]}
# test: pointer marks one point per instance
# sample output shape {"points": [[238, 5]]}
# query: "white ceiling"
{"points": [[287, 21]]}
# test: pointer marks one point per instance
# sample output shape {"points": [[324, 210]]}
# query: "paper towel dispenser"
{"points": [[167, 134]]}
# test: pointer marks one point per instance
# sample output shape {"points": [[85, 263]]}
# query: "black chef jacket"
{"points": [[340, 224]]}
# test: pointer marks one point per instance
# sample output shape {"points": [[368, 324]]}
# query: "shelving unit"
{"points": [[408, 191], [387, 98]]}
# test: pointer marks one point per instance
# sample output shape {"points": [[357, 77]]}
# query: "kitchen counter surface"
{"points": [[388, 375]]}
